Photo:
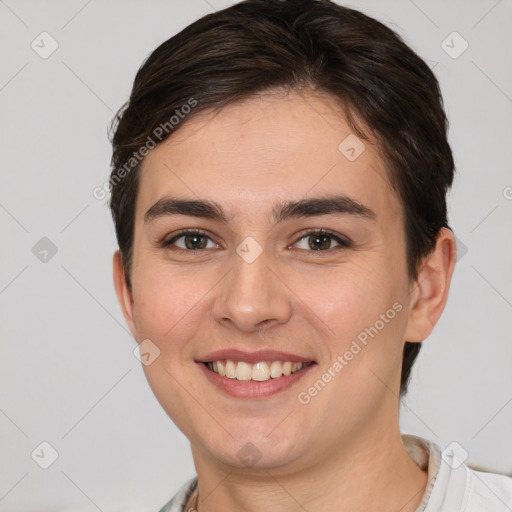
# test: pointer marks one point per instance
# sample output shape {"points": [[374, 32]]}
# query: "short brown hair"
{"points": [[258, 46]]}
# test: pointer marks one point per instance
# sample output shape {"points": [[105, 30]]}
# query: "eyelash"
{"points": [[343, 243]]}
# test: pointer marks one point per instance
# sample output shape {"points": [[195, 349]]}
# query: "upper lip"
{"points": [[252, 357]]}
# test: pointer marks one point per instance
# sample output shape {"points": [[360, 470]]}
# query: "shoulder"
{"points": [[489, 492], [463, 489], [454, 486], [177, 503]]}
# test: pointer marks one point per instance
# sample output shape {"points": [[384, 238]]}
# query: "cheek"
{"points": [[363, 315], [168, 312], [168, 304], [350, 297]]}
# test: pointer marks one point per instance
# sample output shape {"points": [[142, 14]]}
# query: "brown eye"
{"points": [[322, 241], [190, 241]]}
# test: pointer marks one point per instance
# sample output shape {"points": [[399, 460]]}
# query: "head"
{"points": [[269, 120]]}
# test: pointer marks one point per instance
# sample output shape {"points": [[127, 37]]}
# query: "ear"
{"points": [[430, 291], [124, 296]]}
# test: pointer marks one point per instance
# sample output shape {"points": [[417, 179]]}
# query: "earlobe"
{"points": [[430, 293], [123, 293]]}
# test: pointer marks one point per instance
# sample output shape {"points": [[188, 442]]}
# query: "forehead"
{"points": [[274, 147]]}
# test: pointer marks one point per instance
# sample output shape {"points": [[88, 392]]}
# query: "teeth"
{"points": [[230, 370], [243, 371], [260, 371], [221, 368], [276, 369]]}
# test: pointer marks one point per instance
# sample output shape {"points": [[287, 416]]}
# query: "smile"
{"points": [[258, 380], [260, 371]]}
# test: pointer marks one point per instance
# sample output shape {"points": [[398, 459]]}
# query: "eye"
{"points": [[321, 240], [193, 239]]}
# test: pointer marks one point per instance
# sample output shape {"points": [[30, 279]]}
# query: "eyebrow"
{"points": [[330, 205]]}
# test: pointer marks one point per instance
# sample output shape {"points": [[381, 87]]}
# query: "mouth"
{"points": [[254, 380], [261, 371]]}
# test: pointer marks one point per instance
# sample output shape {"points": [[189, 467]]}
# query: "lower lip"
{"points": [[251, 388]]}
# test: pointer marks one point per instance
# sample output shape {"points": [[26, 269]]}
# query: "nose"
{"points": [[253, 296]]}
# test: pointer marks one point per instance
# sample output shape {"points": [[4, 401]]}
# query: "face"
{"points": [[260, 276]]}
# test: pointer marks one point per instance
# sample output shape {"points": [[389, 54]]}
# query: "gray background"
{"points": [[68, 375]]}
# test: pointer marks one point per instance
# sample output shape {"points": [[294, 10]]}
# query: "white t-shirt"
{"points": [[452, 486]]}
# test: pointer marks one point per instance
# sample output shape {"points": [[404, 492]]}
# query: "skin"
{"points": [[327, 454]]}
